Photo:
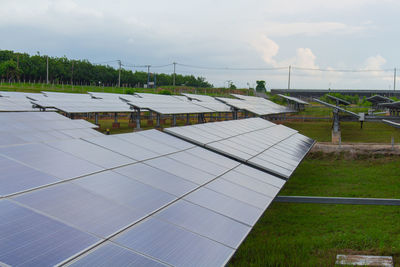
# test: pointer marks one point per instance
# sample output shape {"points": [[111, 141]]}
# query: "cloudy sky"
{"points": [[315, 34]]}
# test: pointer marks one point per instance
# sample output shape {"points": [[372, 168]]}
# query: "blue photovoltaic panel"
{"points": [[114, 143], [205, 222], [95, 154], [128, 192], [110, 254], [31, 239], [225, 205], [157, 178], [182, 170], [50, 160], [173, 245], [79, 207], [16, 177]]}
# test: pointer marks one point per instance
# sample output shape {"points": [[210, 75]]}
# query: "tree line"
{"points": [[24, 67]]}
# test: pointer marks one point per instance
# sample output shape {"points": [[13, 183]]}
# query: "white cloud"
{"points": [[310, 28], [267, 48]]}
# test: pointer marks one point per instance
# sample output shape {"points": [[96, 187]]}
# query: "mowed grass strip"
{"points": [[372, 132], [291, 234], [346, 176]]}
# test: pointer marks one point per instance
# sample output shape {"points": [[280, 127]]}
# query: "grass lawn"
{"points": [[290, 234], [339, 176], [372, 132], [317, 110]]}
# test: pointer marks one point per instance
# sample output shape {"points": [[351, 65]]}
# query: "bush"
{"points": [[165, 92]]}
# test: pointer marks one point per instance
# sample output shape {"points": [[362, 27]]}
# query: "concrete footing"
{"points": [[336, 137]]}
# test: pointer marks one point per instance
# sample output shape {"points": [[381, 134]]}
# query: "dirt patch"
{"points": [[356, 148]]}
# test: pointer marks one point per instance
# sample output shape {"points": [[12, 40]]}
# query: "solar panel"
{"points": [[81, 208], [16, 177], [392, 123], [130, 150], [157, 178], [293, 99], [181, 204], [50, 160], [174, 245], [256, 105], [92, 153], [31, 239], [111, 254], [274, 148], [338, 100], [337, 107], [205, 222]]}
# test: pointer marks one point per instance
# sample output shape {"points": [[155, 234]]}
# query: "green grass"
{"points": [[372, 132], [317, 110], [345, 176], [290, 234]]}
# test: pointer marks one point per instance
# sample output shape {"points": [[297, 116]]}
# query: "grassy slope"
{"points": [[312, 234]]}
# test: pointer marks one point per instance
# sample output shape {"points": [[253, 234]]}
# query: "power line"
{"points": [[342, 70], [229, 68]]}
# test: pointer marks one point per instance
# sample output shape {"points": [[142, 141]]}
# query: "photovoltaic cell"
{"points": [[182, 170], [50, 160], [157, 178], [110, 254], [80, 207], [130, 193], [174, 245], [166, 139], [16, 177], [240, 193], [31, 239], [122, 147], [95, 154], [205, 222], [225, 205]]}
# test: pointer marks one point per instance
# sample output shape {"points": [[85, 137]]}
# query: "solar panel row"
{"points": [[144, 198], [263, 144]]}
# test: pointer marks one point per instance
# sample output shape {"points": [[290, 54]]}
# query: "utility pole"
{"points": [[288, 85], [148, 75], [174, 73], [119, 73], [72, 73], [47, 69], [394, 80]]}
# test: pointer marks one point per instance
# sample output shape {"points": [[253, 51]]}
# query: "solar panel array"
{"points": [[260, 143], [338, 108], [81, 103], [16, 101], [338, 100], [144, 198], [208, 102], [28, 127], [255, 105], [293, 99], [392, 123], [165, 104]]}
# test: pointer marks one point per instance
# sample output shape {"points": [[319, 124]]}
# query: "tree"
{"points": [[9, 70], [260, 86]]}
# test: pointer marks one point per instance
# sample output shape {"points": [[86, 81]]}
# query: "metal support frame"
{"points": [[115, 117], [188, 119], [174, 120], [96, 118], [138, 119], [158, 120], [336, 122]]}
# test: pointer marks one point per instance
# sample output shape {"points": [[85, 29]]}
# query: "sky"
{"points": [[209, 36]]}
